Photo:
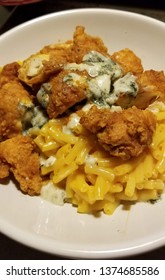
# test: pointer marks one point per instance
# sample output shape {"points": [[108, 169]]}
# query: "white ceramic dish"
{"points": [[60, 230]]}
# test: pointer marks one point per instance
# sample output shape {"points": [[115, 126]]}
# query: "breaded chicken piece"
{"points": [[129, 61], [17, 155], [9, 73], [123, 134], [83, 43], [151, 85], [38, 68], [51, 59], [151, 88], [65, 92], [14, 100], [62, 51]]}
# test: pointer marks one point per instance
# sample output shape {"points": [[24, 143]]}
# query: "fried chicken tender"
{"points": [[74, 50], [151, 85], [83, 43], [17, 155], [65, 94], [38, 68], [51, 59], [13, 102], [123, 134], [151, 88], [129, 61], [48, 61], [9, 73]]}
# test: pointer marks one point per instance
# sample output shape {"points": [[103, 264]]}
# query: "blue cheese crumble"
{"points": [[106, 80]]}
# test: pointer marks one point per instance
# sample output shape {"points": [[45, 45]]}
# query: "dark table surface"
{"points": [[10, 249]]}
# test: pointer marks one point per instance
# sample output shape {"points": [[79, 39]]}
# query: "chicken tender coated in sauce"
{"points": [[14, 100], [64, 94], [151, 85], [123, 134], [38, 68], [18, 156]]}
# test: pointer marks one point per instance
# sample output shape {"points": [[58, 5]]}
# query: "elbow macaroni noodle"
{"points": [[94, 181]]}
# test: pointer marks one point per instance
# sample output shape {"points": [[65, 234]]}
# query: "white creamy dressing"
{"points": [[39, 117], [90, 160], [33, 117], [125, 85], [43, 94], [99, 86], [74, 120], [105, 82], [53, 194]]}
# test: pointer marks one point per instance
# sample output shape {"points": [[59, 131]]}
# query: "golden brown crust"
{"points": [[12, 94], [50, 64], [83, 43], [64, 95], [129, 61], [123, 134], [17, 155], [152, 87]]}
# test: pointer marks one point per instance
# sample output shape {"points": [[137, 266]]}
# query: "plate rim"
{"points": [[80, 10], [16, 234]]}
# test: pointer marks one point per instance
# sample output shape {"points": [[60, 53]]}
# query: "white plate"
{"points": [[60, 230]]}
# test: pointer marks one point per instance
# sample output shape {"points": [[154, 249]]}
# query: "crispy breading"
{"points": [[64, 95], [151, 85], [61, 51], [9, 73], [83, 43], [17, 155], [151, 88], [39, 67], [123, 134], [12, 96], [129, 61], [49, 60]]}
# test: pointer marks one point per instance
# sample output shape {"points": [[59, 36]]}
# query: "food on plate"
{"points": [[14, 107], [89, 124], [18, 155], [125, 134], [63, 96], [152, 88]]}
